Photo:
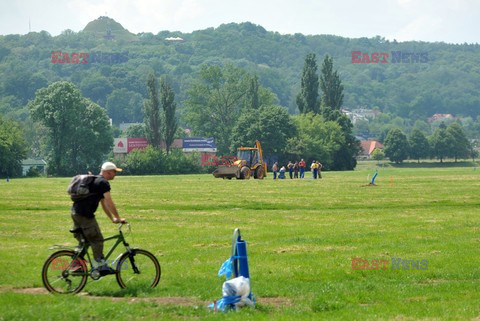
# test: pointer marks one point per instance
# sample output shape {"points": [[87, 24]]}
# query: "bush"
{"points": [[33, 172], [153, 161]]}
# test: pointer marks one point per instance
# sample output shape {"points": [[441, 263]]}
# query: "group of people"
{"points": [[294, 169]]}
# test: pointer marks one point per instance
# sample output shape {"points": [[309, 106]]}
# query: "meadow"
{"points": [[301, 237]]}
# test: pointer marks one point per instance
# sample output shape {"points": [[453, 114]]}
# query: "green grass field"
{"points": [[301, 237]]}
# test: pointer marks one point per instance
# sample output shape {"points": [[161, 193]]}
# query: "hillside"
{"points": [[108, 29], [448, 82]]}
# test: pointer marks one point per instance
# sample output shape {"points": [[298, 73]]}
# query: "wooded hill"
{"points": [[448, 82]]}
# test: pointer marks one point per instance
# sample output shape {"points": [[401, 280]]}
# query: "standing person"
{"points": [[302, 166], [83, 213], [290, 169], [319, 167], [295, 170], [314, 169], [275, 170]]}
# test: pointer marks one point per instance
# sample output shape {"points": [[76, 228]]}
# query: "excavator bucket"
{"points": [[228, 172]]}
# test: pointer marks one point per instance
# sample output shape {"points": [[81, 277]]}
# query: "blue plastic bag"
{"points": [[226, 268]]}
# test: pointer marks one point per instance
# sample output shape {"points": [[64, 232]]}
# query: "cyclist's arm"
{"points": [[110, 209]]}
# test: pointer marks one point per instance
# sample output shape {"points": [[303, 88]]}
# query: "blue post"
{"points": [[373, 178], [239, 253], [241, 262]]}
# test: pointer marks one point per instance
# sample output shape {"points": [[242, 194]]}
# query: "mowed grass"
{"points": [[301, 237]]}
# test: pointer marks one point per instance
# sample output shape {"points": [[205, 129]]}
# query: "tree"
{"points": [[378, 154], [317, 139], [396, 146], [169, 107], [79, 132], [124, 106], [419, 146], [307, 99], [96, 87], [252, 100], [215, 102], [135, 131], [152, 113], [12, 148], [271, 125], [345, 157], [94, 138], [461, 146], [441, 143], [331, 85]]}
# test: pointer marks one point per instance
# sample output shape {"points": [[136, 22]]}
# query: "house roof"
{"points": [[368, 146]]}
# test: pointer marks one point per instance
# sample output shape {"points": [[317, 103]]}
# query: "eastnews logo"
{"points": [[359, 57], [225, 160], [397, 264], [59, 57]]}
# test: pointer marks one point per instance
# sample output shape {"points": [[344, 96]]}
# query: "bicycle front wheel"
{"points": [[64, 272], [138, 269]]}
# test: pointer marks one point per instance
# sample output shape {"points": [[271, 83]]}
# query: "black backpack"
{"points": [[79, 187]]}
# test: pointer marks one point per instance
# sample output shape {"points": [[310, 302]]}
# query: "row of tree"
{"points": [[230, 105], [226, 103], [446, 142], [378, 127]]}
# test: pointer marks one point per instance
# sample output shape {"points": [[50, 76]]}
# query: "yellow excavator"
{"points": [[250, 162]]}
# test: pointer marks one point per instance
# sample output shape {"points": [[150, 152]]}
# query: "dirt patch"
{"points": [[277, 302], [180, 301], [24, 290]]}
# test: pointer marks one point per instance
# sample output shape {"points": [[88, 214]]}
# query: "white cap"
{"points": [[109, 166]]}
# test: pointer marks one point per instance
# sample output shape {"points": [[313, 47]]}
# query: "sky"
{"points": [[451, 21]]}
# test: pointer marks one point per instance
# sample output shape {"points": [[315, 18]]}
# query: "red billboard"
{"points": [[136, 143]]}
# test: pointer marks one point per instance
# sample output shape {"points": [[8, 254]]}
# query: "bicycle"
{"points": [[66, 271]]}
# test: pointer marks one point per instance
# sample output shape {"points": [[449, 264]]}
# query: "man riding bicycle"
{"points": [[83, 213]]}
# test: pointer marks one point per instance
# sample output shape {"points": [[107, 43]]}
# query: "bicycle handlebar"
{"points": [[122, 224]]}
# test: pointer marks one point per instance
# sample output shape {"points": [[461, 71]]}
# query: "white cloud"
{"points": [[423, 27]]}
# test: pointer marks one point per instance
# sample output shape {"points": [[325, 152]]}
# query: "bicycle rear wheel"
{"points": [[64, 272], [138, 269]]}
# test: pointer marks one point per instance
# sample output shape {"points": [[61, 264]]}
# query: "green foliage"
{"points": [[446, 84], [271, 125], [461, 146], [441, 143], [307, 99], [344, 157], [153, 119], [169, 107], [396, 146], [331, 85], [378, 154], [97, 87], [92, 140], [124, 106], [252, 99], [135, 131], [317, 139], [215, 103], [156, 161], [78, 130], [33, 172], [419, 146], [12, 148]]}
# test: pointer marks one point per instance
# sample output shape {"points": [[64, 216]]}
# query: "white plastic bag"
{"points": [[238, 287]]}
